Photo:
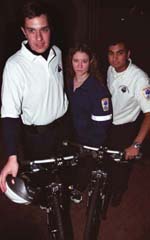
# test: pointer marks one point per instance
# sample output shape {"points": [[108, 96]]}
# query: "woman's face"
{"points": [[80, 63]]}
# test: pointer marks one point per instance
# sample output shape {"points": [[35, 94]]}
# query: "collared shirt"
{"points": [[91, 111], [33, 87], [130, 92]]}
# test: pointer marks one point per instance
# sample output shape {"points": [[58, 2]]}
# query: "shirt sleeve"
{"points": [[142, 92], [101, 118], [11, 92], [11, 135]]}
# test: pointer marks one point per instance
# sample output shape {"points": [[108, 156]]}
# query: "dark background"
{"points": [[91, 21]]}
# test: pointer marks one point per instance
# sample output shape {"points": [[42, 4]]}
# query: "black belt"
{"points": [[37, 129]]}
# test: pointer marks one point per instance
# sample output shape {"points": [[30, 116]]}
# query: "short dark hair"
{"points": [[117, 40], [35, 8]]}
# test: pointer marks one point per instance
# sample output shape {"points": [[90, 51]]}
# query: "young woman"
{"points": [[89, 102], [89, 99]]}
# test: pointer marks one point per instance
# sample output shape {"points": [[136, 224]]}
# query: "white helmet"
{"points": [[17, 191]]}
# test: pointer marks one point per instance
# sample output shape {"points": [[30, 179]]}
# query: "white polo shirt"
{"points": [[33, 87], [130, 92]]}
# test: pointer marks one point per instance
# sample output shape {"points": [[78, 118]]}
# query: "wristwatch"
{"points": [[136, 145]]}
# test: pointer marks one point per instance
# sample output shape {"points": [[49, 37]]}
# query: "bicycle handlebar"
{"points": [[50, 163], [98, 152], [72, 160]]}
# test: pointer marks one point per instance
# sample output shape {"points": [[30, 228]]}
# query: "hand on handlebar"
{"points": [[11, 168], [131, 152]]}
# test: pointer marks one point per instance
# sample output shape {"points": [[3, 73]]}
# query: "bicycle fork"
{"points": [[98, 177], [53, 211]]}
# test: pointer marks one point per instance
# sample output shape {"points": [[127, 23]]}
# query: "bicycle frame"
{"points": [[50, 193]]}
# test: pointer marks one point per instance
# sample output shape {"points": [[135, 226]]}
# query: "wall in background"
{"points": [[91, 21]]}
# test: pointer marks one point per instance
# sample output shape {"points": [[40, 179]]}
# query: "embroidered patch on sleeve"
{"points": [[146, 92], [105, 104]]}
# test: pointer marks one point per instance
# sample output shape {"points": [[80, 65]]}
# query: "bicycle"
{"points": [[99, 187], [48, 193], [99, 192]]}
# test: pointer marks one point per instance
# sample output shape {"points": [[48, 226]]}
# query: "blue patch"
{"points": [[146, 92], [105, 104]]}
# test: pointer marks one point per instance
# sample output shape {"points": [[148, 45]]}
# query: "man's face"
{"points": [[37, 32], [118, 56]]}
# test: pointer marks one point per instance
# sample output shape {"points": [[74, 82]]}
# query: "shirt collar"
{"points": [[119, 74], [32, 56], [86, 83]]}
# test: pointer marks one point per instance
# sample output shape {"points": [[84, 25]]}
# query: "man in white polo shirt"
{"points": [[33, 92], [130, 90], [34, 104]]}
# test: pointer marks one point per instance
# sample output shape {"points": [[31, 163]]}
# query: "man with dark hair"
{"points": [[130, 90], [33, 98], [31, 10], [32, 91]]}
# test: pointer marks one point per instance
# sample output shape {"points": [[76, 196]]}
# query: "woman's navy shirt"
{"points": [[91, 112]]}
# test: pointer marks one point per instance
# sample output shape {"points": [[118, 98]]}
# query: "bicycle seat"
{"points": [[17, 191]]}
